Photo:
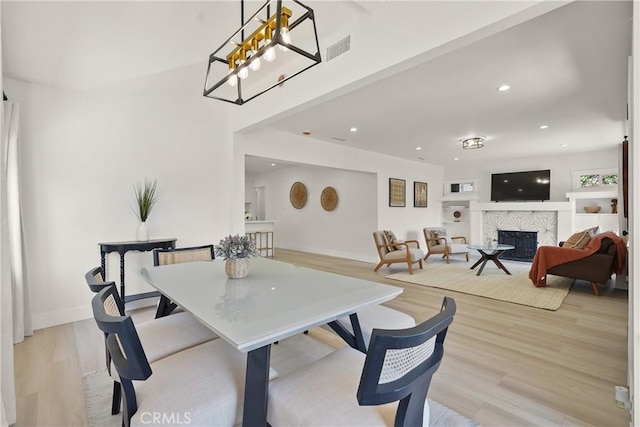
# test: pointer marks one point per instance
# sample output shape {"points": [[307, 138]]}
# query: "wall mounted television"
{"points": [[521, 186]]}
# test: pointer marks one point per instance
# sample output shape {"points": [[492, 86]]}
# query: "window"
{"points": [[594, 179]]}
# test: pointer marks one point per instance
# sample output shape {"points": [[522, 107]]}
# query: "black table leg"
{"points": [[122, 277], [477, 262], [103, 265], [501, 265], [484, 262], [484, 257], [356, 340], [256, 387]]}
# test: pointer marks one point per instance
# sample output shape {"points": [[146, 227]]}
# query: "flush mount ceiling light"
{"points": [[473, 143], [504, 88], [244, 67]]}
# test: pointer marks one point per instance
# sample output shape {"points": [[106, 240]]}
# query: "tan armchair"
{"points": [[393, 251], [438, 242]]}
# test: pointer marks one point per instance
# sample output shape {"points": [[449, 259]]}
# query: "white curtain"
{"points": [[15, 313]]}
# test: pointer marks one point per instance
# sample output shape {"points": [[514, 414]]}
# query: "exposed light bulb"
{"points": [[232, 80], [243, 72], [269, 54], [255, 60], [255, 64], [286, 37]]}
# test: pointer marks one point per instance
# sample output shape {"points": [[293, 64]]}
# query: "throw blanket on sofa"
{"points": [[547, 257]]}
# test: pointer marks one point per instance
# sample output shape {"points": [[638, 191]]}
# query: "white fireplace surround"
{"points": [[552, 220]]}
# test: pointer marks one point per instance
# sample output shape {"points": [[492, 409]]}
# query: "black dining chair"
{"points": [[162, 337], [178, 256], [202, 385], [390, 382]]}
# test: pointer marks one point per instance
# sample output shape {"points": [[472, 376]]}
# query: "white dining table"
{"points": [[275, 301]]}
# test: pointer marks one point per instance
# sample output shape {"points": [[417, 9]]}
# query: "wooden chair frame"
{"points": [[411, 388], [96, 286], [442, 241], [125, 349], [391, 247]]}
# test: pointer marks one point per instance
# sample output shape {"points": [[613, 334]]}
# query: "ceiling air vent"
{"points": [[338, 48], [336, 138]]}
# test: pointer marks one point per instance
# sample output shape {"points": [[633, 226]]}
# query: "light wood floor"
{"points": [[504, 364]]}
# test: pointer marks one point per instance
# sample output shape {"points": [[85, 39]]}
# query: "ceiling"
{"points": [[567, 69], [80, 45]]}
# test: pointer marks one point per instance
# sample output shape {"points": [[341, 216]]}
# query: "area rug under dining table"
{"points": [[492, 283], [286, 356]]}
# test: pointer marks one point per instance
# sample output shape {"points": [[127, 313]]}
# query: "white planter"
{"points": [[142, 233]]}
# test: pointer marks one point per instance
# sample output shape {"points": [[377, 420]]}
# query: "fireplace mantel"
{"points": [[521, 206], [562, 214]]}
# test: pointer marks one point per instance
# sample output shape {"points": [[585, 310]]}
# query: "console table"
{"points": [[122, 248]]}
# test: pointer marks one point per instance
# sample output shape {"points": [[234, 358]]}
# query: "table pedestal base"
{"points": [[490, 256]]}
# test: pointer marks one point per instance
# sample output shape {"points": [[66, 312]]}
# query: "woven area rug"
{"points": [[287, 356], [492, 283]]}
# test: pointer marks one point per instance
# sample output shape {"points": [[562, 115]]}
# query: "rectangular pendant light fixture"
{"points": [[278, 47]]}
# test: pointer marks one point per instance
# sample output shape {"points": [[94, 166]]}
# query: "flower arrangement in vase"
{"points": [[236, 251], [146, 199]]}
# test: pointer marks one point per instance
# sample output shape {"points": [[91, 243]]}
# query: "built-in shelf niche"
{"points": [[460, 189], [605, 219]]}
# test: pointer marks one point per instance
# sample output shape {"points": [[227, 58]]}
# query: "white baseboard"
{"points": [[55, 318], [336, 253]]}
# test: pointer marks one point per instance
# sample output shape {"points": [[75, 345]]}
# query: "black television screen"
{"points": [[518, 186]]}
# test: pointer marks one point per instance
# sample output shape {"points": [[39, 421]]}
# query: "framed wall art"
{"points": [[397, 192], [419, 194]]}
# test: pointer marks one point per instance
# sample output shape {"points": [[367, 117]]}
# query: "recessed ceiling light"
{"points": [[418, 148], [354, 129], [306, 132], [504, 88], [544, 127], [455, 158], [564, 145], [273, 164]]}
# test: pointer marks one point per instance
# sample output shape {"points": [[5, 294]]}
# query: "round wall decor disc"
{"points": [[298, 195], [329, 199]]}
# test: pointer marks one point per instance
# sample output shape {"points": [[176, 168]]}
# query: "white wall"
{"points": [[561, 167], [82, 153], [344, 232], [407, 223]]}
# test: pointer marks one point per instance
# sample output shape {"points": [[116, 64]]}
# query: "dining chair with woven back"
{"points": [[202, 385], [161, 337], [390, 383], [178, 256]]}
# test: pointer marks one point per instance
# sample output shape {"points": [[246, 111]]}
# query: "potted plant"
{"points": [[236, 251], [146, 199]]}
